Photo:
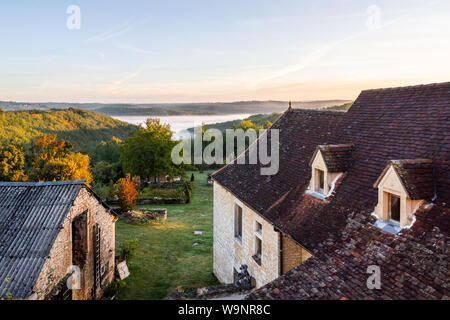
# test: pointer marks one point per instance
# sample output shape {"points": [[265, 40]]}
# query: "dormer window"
{"points": [[394, 208], [402, 187], [321, 180], [328, 163]]}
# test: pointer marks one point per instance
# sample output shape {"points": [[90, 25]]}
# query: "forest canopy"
{"points": [[84, 129]]}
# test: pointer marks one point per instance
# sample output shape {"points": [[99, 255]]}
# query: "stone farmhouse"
{"points": [[45, 230], [360, 195]]}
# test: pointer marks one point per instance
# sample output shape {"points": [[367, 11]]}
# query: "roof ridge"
{"points": [[41, 184], [434, 84], [418, 160], [323, 111]]}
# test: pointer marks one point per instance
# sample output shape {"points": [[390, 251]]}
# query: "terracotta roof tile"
{"points": [[383, 124], [338, 158], [413, 265], [417, 177]]}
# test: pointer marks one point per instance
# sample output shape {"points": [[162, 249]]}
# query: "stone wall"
{"points": [[220, 292], [60, 259], [230, 254], [292, 254]]}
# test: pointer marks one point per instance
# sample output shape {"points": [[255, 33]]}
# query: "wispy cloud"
{"points": [[127, 77], [316, 55], [130, 48], [113, 33]]}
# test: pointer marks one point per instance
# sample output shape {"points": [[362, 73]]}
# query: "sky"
{"points": [[206, 51]]}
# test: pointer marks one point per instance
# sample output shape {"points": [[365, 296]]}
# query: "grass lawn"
{"points": [[166, 257]]}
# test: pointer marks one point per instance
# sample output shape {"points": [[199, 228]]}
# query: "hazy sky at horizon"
{"points": [[197, 51]]}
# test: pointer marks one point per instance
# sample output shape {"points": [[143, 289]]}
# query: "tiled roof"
{"points": [[301, 131], [31, 216], [338, 158], [417, 176], [382, 124]]}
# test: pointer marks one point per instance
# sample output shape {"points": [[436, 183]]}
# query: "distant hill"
{"points": [[168, 109], [257, 119], [143, 111], [85, 129], [260, 119], [343, 107]]}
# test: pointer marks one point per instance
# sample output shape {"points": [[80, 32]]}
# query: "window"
{"points": [[258, 247], [394, 208], [258, 227], [258, 243], [258, 250], [321, 175], [238, 222]]}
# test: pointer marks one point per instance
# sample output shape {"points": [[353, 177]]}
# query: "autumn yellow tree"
{"points": [[51, 160], [127, 192], [12, 163], [75, 166], [47, 147]]}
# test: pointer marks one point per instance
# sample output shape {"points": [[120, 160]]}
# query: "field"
{"points": [[166, 257]]}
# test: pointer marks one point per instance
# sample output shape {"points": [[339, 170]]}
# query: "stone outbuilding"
{"points": [[57, 241]]}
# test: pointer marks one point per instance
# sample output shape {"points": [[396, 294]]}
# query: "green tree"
{"points": [[12, 163], [107, 151], [148, 152], [245, 125], [103, 172], [267, 124]]}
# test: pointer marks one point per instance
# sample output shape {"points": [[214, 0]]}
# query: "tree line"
{"points": [[144, 156]]}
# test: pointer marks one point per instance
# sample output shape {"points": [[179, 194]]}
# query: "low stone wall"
{"points": [[220, 292], [181, 195], [145, 216]]}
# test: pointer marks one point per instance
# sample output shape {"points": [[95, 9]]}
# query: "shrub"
{"points": [[128, 250], [113, 289], [101, 190], [127, 193]]}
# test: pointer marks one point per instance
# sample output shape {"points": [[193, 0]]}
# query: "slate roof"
{"points": [[31, 216], [417, 177], [338, 158], [383, 124]]}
